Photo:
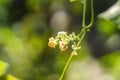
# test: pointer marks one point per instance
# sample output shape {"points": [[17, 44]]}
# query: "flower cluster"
{"points": [[62, 40]]}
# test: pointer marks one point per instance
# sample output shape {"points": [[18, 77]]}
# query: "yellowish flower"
{"points": [[63, 40], [52, 42], [63, 46], [64, 49]]}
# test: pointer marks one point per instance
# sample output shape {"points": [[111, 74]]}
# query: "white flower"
{"points": [[61, 33]]}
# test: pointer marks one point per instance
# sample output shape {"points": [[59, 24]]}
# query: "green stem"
{"points": [[81, 38], [71, 56], [81, 35], [92, 15], [66, 66], [84, 13]]}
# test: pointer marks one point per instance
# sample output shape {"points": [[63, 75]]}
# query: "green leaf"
{"points": [[111, 63], [72, 0], [11, 77], [3, 68], [106, 27]]}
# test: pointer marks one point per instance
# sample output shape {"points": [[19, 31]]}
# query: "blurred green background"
{"points": [[26, 26]]}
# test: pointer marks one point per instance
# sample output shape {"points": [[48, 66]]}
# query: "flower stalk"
{"points": [[63, 39]]}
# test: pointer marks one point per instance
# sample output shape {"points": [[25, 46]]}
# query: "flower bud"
{"points": [[74, 53], [75, 47]]}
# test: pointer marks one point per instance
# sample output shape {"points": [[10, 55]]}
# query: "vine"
{"points": [[63, 39]]}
